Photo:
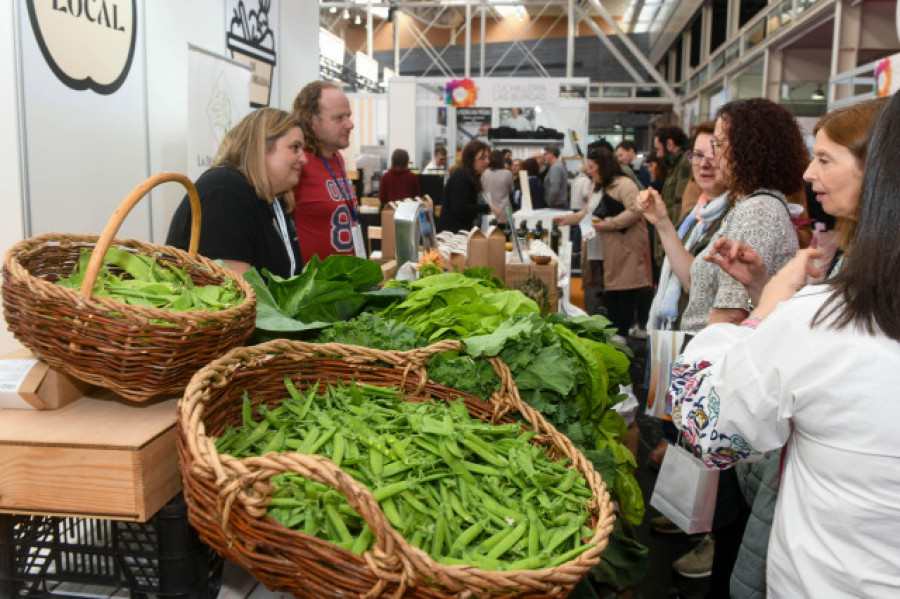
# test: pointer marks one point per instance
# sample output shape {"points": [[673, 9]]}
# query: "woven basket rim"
{"points": [[16, 273], [247, 472]]}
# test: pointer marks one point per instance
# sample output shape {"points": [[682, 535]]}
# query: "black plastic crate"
{"points": [[162, 557]]}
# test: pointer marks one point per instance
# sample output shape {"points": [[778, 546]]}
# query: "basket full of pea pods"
{"points": [[332, 470]]}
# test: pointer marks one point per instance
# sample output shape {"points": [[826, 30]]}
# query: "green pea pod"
{"points": [[508, 541]]}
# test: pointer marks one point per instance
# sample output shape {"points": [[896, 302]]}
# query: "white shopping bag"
{"points": [[685, 491]]}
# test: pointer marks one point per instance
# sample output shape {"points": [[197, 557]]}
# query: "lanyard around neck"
{"points": [[346, 196], [283, 231]]}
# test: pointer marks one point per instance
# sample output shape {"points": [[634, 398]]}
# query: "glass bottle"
{"points": [[539, 231], [555, 235], [522, 233]]}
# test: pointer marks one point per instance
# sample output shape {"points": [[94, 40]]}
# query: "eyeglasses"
{"points": [[698, 158], [716, 145]]}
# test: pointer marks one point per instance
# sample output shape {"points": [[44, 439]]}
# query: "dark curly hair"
{"points": [[765, 147]]}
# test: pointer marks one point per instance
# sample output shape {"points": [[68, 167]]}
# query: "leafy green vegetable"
{"points": [[486, 275], [453, 306], [145, 281], [333, 290], [373, 331]]}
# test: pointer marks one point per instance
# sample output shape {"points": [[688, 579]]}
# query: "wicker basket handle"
{"points": [[390, 551], [115, 221]]}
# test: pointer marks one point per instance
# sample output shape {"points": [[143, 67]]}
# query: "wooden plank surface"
{"points": [[103, 421]]}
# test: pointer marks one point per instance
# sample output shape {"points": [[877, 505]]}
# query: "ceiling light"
{"points": [[333, 9], [818, 94], [346, 14], [357, 20]]}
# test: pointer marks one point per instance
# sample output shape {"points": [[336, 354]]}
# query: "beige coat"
{"points": [[626, 249]]}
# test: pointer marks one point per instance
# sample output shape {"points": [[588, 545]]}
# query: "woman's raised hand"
{"points": [[787, 281], [741, 262], [651, 205]]}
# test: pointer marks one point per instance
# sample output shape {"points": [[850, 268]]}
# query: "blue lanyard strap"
{"points": [[346, 196]]}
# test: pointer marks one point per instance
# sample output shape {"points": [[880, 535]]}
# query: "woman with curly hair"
{"points": [[759, 149]]}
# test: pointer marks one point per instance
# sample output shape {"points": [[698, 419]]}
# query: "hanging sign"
{"points": [[251, 39], [88, 44], [461, 93], [218, 97]]}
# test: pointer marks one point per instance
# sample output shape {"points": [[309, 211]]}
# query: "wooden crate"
{"points": [[99, 456]]}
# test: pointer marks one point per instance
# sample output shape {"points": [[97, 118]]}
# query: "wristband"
{"points": [[751, 322]]}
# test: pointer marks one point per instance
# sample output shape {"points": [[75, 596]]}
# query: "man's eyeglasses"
{"points": [[698, 158]]}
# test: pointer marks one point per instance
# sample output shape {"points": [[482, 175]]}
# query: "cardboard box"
{"points": [[388, 270], [497, 251], [477, 249], [516, 273], [388, 237], [458, 262], [99, 456], [488, 250], [38, 386]]}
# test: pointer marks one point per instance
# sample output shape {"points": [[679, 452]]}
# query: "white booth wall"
{"points": [[67, 157]]}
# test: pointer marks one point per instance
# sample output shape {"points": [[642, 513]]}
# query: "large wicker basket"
{"points": [[109, 343], [227, 497]]}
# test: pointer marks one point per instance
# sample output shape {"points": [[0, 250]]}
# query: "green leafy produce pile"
{"points": [[464, 491], [566, 368], [328, 291], [569, 369], [147, 282]]}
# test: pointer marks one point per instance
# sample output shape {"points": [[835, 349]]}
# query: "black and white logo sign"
{"points": [[88, 44]]}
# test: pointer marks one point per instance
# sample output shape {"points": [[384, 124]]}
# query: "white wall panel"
{"points": [[171, 26], [84, 150], [11, 229]]}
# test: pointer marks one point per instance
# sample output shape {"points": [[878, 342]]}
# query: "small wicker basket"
{"points": [[109, 343], [227, 497]]}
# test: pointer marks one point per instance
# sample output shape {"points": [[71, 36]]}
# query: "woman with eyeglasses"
{"points": [[814, 371], [681, 243], [759, 150], [692, 235]]}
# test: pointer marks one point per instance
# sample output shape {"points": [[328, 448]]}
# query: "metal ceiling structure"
{"points": [[465, 19]]}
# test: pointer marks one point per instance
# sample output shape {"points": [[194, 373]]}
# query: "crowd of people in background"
{"points": [[698, 236]]}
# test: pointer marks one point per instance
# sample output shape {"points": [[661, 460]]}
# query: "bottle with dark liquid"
{"points": [[555, 236], [522, 233]]}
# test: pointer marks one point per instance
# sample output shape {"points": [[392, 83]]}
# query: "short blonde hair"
{"points": [[246, 144]]}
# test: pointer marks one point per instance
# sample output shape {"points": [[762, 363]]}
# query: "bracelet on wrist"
{"points": [[751, 322]]}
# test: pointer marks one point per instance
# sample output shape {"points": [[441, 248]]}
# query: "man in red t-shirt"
{"points": [[326, 205]]}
